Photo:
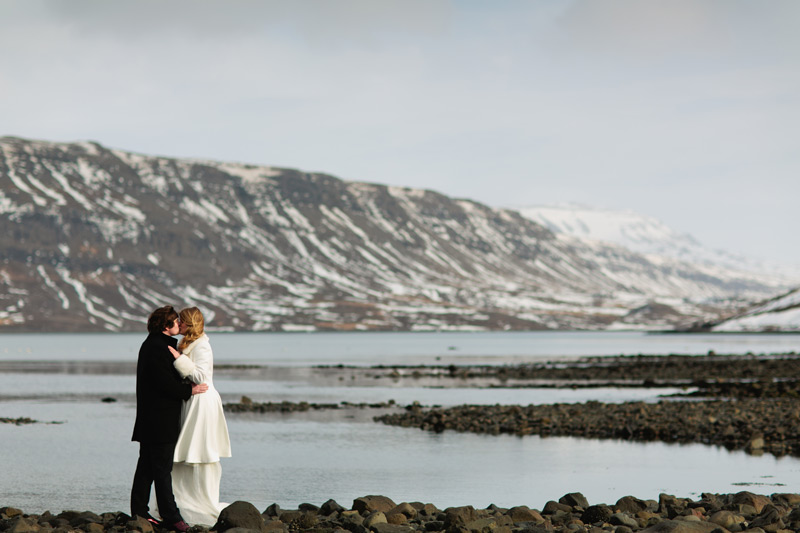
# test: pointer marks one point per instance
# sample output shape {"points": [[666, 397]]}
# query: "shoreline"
{"points": [[571, 513]]}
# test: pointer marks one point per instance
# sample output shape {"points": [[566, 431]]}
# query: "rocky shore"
{"points": [[739, 402], [572, 513], [755, 425], [630, 371]]}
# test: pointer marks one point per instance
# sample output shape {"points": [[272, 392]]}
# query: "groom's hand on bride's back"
{"points": [[198, 389]]}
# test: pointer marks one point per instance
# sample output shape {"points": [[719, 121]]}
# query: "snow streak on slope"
{"points": [[648, 236], [779, 314]]}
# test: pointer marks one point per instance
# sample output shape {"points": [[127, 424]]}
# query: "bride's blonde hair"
{"points": [[195, 325]]}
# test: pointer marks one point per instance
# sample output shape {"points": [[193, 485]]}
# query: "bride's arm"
{"points": [[201, 368]]}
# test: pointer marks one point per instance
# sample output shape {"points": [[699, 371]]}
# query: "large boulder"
{"points": [[523, 513], [330, 507], [754, 500], [596, 514], [630, 505], [239, 514], [459, 516], [370, 504], [574, 499]]}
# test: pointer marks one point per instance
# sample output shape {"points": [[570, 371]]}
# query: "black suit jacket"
{"points": [[160, 392]]}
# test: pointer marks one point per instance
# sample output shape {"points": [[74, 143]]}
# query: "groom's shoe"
{"points": [[181, 526]]}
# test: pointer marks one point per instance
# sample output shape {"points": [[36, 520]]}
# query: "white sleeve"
{"points": [[184, 366], [199, 370]]}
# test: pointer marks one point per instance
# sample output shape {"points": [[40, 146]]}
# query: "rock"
{"points": [[756, 444], [308, 508], [785, 499], [482, 525], [670, 506], [574, 499], [352, 521], [391, 528], [273, 510], [273, 526], [20, 524], [682, 526], [459, 516], [137, 523], [768, 517], [523, 513], [239, 514], [307, 520], [93, 527], [369, 504], [289, 517], [330, 507], [748, 498], [552, 507], [596, 514], [623, 519], [630, 505], [726, 519], [375, 517], [396, 518], [9, 512], [85, 517], [426, 509], [406, 509]]}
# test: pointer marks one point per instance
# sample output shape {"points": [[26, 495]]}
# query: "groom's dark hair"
{"points": [[161, 318]]}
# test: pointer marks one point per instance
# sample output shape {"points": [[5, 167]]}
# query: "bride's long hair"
{"points": [[195, 326]]}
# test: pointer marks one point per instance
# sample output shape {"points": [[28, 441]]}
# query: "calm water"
{"points": [[86, 461]]}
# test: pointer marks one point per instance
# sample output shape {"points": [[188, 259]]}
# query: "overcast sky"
{"points": [[687, 111]]}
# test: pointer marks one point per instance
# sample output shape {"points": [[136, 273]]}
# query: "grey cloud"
{"points": [[313, 20]]}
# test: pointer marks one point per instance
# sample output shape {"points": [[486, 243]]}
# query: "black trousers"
{"points": [[155, 468]]}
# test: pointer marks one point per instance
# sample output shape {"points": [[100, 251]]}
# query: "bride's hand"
{"points": [[175, 353]]}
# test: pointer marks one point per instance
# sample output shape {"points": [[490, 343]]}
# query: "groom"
{"points": [[160, 392]]}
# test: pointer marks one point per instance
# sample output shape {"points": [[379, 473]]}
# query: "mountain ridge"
{"points": [[95, 238]]}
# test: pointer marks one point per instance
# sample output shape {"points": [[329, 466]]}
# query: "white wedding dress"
{"points": [[196, 471]]}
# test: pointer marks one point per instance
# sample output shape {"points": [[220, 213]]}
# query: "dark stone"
{"points": [[239, 514], [368, 504], [86, 517], [553, 507], [330, 507], [459, 516], [273, 510], [287, 517], [629, 504], [308, 508], [574, 499], [596, 513]]}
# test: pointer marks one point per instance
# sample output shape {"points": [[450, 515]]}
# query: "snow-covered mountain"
{"points": [[95, 238], [651, 237]]}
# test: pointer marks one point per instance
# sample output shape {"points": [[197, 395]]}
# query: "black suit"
{"points": [[160, 392]]}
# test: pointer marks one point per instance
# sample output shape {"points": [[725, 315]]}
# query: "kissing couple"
{"points": [[180, 424]]}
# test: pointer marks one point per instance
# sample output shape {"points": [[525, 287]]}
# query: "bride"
{"points": [[203, 439]]}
